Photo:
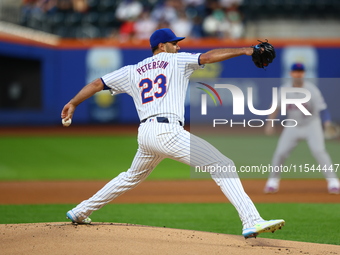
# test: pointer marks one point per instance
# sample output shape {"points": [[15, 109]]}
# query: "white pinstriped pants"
{"points": [[313, 134], [169, 140]]}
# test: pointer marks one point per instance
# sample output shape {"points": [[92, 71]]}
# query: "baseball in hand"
{"points": [[66, 123]]}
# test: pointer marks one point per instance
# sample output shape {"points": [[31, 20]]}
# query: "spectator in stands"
{"points": [[195, 8], [216, 24], [197, 29], [80, 6], [144, 26], [229, 3], [127, 30], [64, 5], [235, 18], [182, 26], [195, 11], [33, 10], [128, 10], [28, 3], [185, 17], [47, 6], [27, 7], [163, 24], [165, 12]]}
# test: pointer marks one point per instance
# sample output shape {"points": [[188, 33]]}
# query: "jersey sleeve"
{"points": [[319, 102], [118, 81], [189, 62]]}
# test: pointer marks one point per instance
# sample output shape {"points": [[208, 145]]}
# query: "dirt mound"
{"points": [[112, 238]]}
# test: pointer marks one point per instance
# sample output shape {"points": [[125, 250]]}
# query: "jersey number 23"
{"points": [[147, 85]]}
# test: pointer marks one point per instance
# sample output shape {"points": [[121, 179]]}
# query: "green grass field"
{"points": [[317, 223], [75, 158], [104, 157]]}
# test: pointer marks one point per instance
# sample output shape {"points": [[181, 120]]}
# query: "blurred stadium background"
{"points": [[49, 49]]}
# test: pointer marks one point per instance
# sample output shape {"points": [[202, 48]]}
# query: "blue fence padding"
{"points": [[64, 74], [328, 66]]}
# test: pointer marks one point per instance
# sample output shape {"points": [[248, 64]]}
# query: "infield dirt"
{"points": [[101, 238]]}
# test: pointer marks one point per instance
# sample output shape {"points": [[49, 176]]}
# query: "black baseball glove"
{"points": [[263, 54]]}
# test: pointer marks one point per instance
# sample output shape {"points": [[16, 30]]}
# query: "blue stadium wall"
{"points": [[63, 72]]}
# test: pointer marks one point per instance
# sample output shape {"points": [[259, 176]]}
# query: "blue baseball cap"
{"points": [[163, 35], [298, 67]]}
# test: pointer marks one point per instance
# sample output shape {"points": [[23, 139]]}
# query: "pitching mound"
{"points": [[110, 238]]}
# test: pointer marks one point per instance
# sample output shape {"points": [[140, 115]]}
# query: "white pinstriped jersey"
{"points": [[157, 84]]}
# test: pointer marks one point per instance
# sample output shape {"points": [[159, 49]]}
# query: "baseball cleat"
{"points": [[270, 190], [71, 216], [334, 191], [263, 227]]}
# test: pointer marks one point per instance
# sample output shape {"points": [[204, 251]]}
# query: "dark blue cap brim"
{"points": [[177, 39]]}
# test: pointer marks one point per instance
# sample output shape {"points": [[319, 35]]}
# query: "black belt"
{"points": [[162, 120]]}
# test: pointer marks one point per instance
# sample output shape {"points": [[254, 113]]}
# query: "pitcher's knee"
{"points": [[225, 169], [133, 178]]}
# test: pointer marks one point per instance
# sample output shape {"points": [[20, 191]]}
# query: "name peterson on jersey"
{"points": [[152, 65]]}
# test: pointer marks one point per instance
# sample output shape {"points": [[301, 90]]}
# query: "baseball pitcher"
{"points": [[158, 87]]}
